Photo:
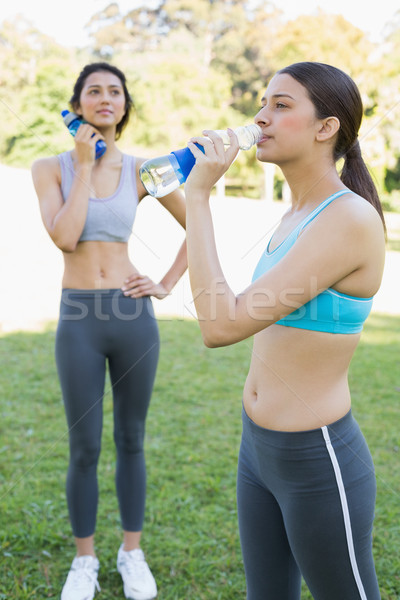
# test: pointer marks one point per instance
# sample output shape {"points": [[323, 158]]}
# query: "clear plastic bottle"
{"points": [[164, 174], [73, 122]]}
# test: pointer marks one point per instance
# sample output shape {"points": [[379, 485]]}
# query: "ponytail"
{"points": [[356, 176]]}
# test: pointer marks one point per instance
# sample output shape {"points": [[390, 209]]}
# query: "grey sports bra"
{"points": [[108, 219]]}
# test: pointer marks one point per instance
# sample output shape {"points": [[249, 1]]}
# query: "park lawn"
{"points": [[193, 433]]}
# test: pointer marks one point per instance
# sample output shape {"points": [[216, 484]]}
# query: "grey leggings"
{"points": [[97, 326], [306, 507]]}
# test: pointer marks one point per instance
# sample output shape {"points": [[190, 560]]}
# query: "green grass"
{"points": [[193, 431]]}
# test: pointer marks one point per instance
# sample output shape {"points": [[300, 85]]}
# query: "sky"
{"points": [[67, 25]]}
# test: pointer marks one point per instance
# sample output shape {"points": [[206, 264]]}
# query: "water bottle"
{"points": [[73, 122], [164, 174]]}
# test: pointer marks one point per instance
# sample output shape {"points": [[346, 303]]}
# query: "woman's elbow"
{"points": [[215, 338], [65, 245], [67, 249], [210, 342]]}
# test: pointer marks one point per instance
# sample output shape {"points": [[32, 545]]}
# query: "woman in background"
{"points": [[88, 207]]}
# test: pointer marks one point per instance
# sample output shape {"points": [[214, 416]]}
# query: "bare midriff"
{"points": [[298, 379], [97, 265]]}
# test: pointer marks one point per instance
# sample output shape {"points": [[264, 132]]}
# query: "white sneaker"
{"points": [[81, 583], [139, 583]]}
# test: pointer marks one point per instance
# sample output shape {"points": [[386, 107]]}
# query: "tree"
{"points": [[193, 65], [139, 30], [33, 85], [388, 102]]}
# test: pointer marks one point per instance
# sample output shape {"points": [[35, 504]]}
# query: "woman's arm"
{"points": [[175, 204], [64, 221], [138, 285], [338, 244]]}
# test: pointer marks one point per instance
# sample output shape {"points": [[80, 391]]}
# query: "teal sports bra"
{"points": [[330, 311]]}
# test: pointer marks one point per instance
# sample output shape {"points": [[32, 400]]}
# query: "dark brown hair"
{"points": [[95, 68], [334, 94]]}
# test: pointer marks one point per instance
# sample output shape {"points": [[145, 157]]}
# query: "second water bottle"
{"points": [[164, 174], [73, 122]]}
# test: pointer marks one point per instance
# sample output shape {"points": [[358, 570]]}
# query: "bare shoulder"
{"points": [[43, 167], [349, 230], [358, 209], [357, 235], [46, 178], [354, 216]]}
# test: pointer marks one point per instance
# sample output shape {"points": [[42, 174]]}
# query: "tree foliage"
{"points": [[190, 66]]}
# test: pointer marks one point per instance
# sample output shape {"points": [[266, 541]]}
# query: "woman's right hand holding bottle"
{"points": [[85, 144], [211, 164]]}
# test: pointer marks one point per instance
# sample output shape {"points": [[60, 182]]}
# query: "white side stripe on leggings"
{"points": [[346, 515]]}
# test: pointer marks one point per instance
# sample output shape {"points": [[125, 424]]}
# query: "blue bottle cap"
{"points": [[69, 117]]}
